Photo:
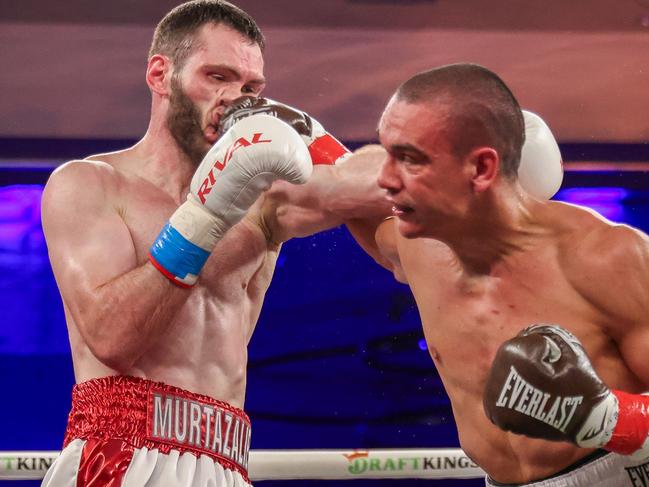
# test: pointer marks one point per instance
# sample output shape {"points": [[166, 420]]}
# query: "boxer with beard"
{"points": [[184, 123], [163, 253]]}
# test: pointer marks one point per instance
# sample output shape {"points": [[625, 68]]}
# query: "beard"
{"points": [[184, 124]]}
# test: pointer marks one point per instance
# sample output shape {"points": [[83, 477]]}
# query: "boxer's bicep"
{"points": [[634, 348], [88, 242], [365, 234], [613, 275], [632, 305], [386, 236]]}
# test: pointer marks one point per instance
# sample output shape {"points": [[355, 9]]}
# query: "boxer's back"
{"points": [[204, 350], [467, 316]]}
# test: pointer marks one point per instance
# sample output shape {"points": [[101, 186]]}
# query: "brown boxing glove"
{"points": [[323, 147], [542, 384]]}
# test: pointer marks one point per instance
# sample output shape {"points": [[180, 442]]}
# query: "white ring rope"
{"points": [[302, 464]]}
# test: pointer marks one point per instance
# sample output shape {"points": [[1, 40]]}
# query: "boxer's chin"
{"points": [[410, 228], [408, 225]]}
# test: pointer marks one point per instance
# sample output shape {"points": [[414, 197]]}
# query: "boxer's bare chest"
{"points": [[237, 272], [466, 317]]}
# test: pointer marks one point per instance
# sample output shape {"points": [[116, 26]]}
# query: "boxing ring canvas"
{"points": [[338, 359]]}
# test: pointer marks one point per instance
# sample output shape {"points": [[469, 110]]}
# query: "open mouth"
{"points": [[402, 210], [211, 131]]}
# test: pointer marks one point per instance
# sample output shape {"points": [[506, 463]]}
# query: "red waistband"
{"points": [[158, 416]]}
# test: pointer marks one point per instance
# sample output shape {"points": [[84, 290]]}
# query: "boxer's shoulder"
{"points": [[595, 242], [580, 231], [93, 174], [618, 253], [80, 190], [597, 255]]}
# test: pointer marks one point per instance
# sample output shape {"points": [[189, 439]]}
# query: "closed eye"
{"points": [[409, 158], [251, 90], [408, 154]]}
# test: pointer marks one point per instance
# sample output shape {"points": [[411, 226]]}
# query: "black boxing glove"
{"points": [[323, 147], [542, 384]]}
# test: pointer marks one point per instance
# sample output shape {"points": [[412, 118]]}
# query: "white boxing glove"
{"points": [[323, 147], [541, 169], [243, 163]]}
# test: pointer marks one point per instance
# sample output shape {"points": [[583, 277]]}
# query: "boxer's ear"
{"points": [[485, 163], [158, 74]]}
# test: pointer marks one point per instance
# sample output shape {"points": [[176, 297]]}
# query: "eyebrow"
{"points": [[234, 72], [405, 148], [409, 148]]}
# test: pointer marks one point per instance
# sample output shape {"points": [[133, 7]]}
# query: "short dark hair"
{"points": [[174, 34], [478, 107]]}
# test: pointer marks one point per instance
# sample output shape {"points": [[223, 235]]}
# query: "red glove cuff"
{"points": [[326, 150], [632, 425]]}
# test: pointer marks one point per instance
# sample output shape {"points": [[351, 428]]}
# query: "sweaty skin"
{"points": [[466, 317], [479, 280], [101, 214]]}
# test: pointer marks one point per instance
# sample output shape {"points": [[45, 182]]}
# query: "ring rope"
{"points": [[411, 463]]}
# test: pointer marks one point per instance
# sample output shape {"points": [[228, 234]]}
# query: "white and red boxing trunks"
{"points": [[599, 469], [125, 431]]}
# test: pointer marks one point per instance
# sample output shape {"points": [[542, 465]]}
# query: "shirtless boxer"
{"points": [[486, 260], [163, 261], [140, 341]]}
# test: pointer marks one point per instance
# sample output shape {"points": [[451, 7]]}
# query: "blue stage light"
{"points": [[607, 201]]}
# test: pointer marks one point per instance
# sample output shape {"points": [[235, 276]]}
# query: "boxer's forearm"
{"points": [[356, 194], [333, 196], [118, 306], [242, 164], [121, 319]]}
